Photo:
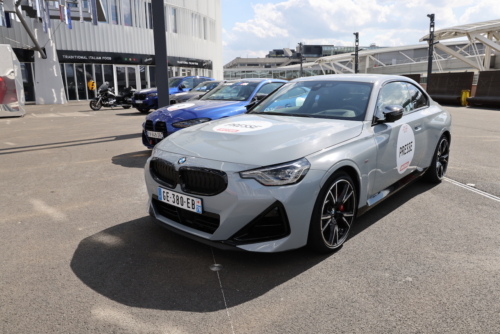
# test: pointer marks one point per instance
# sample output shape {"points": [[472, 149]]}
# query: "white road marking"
{"points": [[9, 143], [477, 191], [41, 206], [49, 115], [33, 115], [222, 290]]}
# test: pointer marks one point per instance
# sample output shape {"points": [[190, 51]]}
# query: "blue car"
{"points": [[147, 99], [228, 99]]}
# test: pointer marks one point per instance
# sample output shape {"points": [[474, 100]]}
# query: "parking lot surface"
{"points": [[79, 253]]}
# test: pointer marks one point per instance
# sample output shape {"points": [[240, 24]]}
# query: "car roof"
{"points": [[256, 80], [369, 78]]}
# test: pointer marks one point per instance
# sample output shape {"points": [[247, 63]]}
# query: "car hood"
{"points": [[197, 108], [260, 140]]}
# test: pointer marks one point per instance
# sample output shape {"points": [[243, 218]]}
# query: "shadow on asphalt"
{"points": [[140, 264], [132, 160], [70, 143]]}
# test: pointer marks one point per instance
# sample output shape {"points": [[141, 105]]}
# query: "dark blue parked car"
{"points": [[147, 99], [228, 99]]}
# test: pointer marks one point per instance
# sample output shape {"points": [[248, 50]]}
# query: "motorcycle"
{"points": [[106, 98]]}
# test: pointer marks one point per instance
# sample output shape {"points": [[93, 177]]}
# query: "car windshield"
{"points": [[232, 91], [205, 86], [322, 99], [174, 82]]}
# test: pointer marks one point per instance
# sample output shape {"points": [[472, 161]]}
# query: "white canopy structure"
{"points": [[487, 33]]}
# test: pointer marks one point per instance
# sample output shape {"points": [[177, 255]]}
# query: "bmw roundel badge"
{"points": [[181, 160]]}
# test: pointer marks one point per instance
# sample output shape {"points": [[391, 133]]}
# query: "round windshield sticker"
{"points": [[405, 148], [180, 106], [243, 126]]}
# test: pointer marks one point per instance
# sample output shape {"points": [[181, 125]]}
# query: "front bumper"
{"points": [[241, 203]]}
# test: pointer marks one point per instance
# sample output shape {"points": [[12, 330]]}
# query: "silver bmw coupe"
{"points": [[300, 166]]}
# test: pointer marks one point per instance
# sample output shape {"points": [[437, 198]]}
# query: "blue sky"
{"points": [[254, 27]]}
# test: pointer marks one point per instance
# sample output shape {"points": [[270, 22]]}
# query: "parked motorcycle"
{"points": [[106, 98]]}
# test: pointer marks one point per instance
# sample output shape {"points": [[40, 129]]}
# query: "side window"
{"points": [[394, 93], [268, 88], [198, 81], [188, 83], [417, 98]]}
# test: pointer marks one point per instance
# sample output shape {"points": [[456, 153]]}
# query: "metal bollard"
{"points": [[465, 95]]}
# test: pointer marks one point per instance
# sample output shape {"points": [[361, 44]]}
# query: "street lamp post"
{"points": [[356, 50], [300, 55], [430, 40]]}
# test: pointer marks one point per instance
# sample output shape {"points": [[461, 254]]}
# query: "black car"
{"points": [[195, 93]]}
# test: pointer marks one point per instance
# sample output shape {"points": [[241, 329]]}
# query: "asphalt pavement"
{"points": [[80, 254]]}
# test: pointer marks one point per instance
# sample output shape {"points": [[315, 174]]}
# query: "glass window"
{"points": [[98, 75], [188, 83], [63, 75], [394, 94], [127, 12], [108, 74], [173, 20], [142, 72], [89, 77], [321, 99], [29, 88], [152, 76], [105, 7], [206, 86], [81, 82], [70, 78], [115, 12], [121, 81], [132, 79], [418, 99], [232, 91], [137, 12], [268, 88]]}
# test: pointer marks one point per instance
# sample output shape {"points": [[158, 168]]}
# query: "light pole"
{"points": [[356, 50], [430, 40], [300, 55]]}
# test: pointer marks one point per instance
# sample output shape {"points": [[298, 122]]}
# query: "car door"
{"points": [[400, 144]]}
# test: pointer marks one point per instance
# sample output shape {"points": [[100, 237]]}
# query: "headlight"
{"points": [[279, 175], [190, 122], [152, 94]]}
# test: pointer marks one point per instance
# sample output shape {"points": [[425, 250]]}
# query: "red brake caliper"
{"points": [[341, 207]]}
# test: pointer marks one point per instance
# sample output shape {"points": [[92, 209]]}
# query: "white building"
{"points": [[120, 50]]}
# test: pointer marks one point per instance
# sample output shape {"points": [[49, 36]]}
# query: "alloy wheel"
{"points": [[443, 152], [337, 213]]}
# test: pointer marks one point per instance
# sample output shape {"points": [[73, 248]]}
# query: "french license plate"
{"points": [[180, 200], [138, 101], [154, 134]]}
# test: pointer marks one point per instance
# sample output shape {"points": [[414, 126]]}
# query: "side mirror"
{"points": [[392, 113], [182, 86]]}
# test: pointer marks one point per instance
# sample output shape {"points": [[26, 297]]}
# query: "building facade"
{"points": [[119, 50]]}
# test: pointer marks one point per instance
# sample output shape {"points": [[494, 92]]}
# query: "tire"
{"points": [[95, 105], [126, 107], [143, 110], [439, 165], [332, 219]]}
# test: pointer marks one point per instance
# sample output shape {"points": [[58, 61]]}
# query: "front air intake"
{"points": [[271, 224]]}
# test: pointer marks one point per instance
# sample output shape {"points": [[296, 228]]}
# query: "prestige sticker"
{"points": [[180, 106], [243, 126], [405, 148]]}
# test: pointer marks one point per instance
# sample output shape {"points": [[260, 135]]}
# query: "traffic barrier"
{"points": [[448, 87], [488, 90]]}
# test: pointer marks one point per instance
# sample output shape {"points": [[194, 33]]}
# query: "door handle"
{"points": [[418, 128]]}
